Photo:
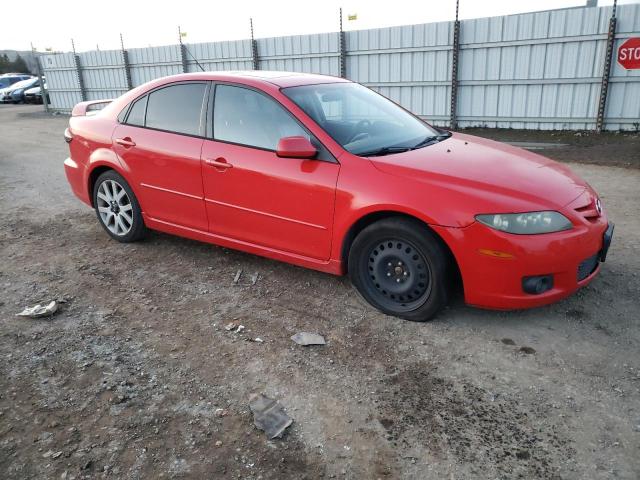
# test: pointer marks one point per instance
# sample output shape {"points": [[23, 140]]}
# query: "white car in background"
{"points": [[14, 93], [34, 95]]}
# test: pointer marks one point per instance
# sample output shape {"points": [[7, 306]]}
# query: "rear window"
{"points": [[176, 108]]}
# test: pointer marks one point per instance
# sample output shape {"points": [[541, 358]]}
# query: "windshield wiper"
{"points": [[432, 139], [383, 151], [397, 149]]}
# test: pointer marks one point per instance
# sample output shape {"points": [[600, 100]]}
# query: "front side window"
{"points": [[359, 119], [250, 118], [176, 108]]}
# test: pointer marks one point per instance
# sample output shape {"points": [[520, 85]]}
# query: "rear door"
{"points": [[255, 196], [160, 142]]}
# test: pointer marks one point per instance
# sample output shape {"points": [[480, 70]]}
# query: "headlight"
{"points": [[530, 223]]}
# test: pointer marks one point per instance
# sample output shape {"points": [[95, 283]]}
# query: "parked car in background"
{"points": [[327, 174], [9, 79], [34, 95], [15, 93], [30, 95]]}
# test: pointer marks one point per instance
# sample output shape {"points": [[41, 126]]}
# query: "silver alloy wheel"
{"points": [[114, 207]]}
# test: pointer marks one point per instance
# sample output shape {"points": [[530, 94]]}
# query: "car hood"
{"points": [[497, 178]]}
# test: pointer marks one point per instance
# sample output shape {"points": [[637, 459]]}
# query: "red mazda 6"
{"points": [[324, 173]]}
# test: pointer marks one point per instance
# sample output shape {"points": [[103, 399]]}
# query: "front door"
{"points": [[250, 193]]}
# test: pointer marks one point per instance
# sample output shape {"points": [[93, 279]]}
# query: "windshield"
{"points": [[359, 119]]}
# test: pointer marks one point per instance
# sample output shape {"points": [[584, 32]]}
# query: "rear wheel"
{"points": [[117, 208], [400, 267]]}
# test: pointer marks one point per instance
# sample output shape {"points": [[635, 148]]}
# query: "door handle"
{"points": [[218, 162], [125, 142]]}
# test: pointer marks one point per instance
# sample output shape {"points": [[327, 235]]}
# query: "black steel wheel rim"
{"points": [[397, 275]]}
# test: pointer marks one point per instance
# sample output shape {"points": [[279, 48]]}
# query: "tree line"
{"points": [[16, 66]]}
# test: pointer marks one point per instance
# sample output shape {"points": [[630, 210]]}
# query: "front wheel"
{"points": [[117, 208], [402, 268]]}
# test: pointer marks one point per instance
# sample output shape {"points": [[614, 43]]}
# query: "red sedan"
{"points": [[327, 174]]}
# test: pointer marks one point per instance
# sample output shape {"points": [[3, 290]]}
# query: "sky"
{"points": [[92, 24]]}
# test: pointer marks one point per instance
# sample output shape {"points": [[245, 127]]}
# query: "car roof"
{"points": [[26, 75], [24, 83], [253, 78], [280, 79]]}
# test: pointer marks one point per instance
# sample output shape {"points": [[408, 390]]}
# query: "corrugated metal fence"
{"points": [[539, 70]]}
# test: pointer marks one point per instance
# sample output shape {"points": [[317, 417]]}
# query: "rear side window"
{"points": [[176, 108], [136, 114], [247, 117]]}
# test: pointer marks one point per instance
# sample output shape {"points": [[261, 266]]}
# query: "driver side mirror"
{"points": [[295, 147]]}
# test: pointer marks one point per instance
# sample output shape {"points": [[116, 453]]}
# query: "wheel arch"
{"points": [[96, 169], [93, 176], [376, 216]]}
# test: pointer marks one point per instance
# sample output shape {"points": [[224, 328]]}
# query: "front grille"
{"points": [[589, 210], [588, 266]]}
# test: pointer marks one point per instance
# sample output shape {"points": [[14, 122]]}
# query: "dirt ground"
{"points": [[620, 149], [136, 376]]}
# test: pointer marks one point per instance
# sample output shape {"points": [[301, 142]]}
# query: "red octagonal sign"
{"points": [[629, 54]]}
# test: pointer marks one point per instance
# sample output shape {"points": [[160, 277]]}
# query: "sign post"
{"points": [[606, 69]]}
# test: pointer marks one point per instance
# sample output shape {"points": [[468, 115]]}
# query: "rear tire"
{"points": [[402, 268], [117, 208]]}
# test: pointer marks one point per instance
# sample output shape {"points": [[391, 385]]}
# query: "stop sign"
{"points": [[629, 54]]}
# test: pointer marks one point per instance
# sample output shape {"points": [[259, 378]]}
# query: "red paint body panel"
{"points": [[493, 282], [492, 176], [281, 203], [166, 171], [301, 211]]}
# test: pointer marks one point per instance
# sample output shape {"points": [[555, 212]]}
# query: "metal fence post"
{"points": [[43, 90], [453, 119], [343, 50], [183, 53], [254, 48], [125, 64], [78, 68], [606, 70]]}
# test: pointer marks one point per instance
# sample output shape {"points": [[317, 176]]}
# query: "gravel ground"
{"points": [[608, 148], [136, 376]]}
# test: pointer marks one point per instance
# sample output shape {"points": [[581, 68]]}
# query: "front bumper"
{"points": [[492, 281]]}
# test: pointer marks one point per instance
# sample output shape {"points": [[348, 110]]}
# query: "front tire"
{"points": [[117, 208], [402, 268]]}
